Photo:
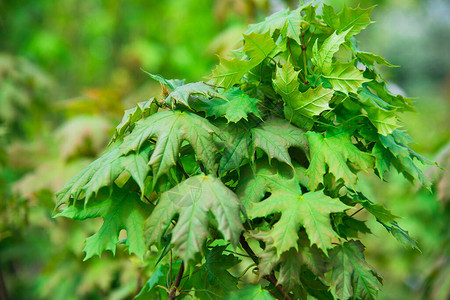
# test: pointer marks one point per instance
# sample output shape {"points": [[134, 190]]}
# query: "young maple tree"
{"points": [[255, 169]]}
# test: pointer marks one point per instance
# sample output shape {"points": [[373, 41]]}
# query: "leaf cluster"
{"points": [[261, 161]]}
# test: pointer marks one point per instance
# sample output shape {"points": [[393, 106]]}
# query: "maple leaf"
{"points": [[237, 148], [286, 21], [213, 277], [351, 275], [345, 78], [171, 128], [310, 210], [172, 83], [369, 59], [323, 58], [334, 150], [257, 46], [308, 104], [352, 19], [103, 172], [401, 156], [195, 200], [267, 138], [182, 93], [234, 105], [120, 210], [131, 116]]}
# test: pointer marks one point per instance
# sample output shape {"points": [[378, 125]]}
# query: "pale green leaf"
{"points": [[120, 210], [237, 148], [195, 200], [353, 19], [251, 292], [310, 210], [345, 78], [268, 138], [286, 21], [334, 150], [369, 59], [171, 128], [323, 58], [259, 46]]}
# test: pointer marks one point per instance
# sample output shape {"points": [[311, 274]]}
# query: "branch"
{"points": [[271, 278], [3, 290], [173, 291]]}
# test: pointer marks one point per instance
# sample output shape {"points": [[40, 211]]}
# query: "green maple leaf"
{"points": [[132, 115], [267, 137], [402, 157], [120, 210], [182, 93], [334, 150], [252, 292], [233, 105], [195, 200], [353, 19], [310, 210], [308, 104], [172, 83], [345, 78], [351, 275], [237, 148], [257, 46], [286, 21], [290, 269], [384, 121], [103, 172], [230, 71], [323, 58], [171, 128], [369, 59], [213, 279]]}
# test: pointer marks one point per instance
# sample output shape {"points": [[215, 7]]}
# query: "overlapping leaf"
{"points": [[308, 104], [171, 128], [267, 137], [195, 200], [258, 46], [182, 93], [351, 275], [323, 58], [310, 210], [132, 115], [234, 105], [345, 78], [104, 171], [335, 150], [353, 19], [120, 210], [287, 22]]}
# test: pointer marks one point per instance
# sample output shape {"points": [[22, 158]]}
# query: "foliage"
{"points": [[263, 159]]}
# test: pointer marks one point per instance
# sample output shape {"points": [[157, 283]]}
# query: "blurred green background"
{"points": [[69, 68]]}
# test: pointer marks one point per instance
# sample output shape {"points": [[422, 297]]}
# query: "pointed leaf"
{"points": [[355, 19], [323, 58], [171, 128], [182, 93], [345, 78], [369, 59], [351, 275], [195, 200], [334, 151]]}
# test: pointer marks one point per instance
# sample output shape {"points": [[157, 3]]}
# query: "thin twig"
{"points": [[180, 166], [202, 167], [271, 278], [173, 291], [3, 290]]}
